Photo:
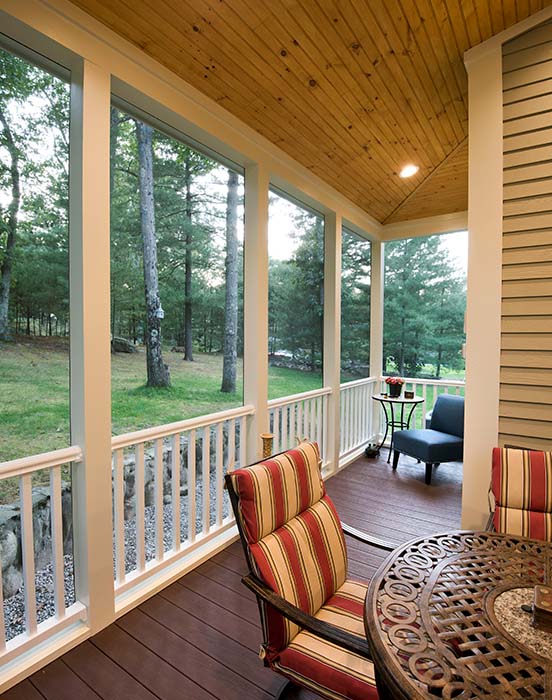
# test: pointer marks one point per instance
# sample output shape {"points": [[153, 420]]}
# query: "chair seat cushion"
{"points": [[326, 668], [526, 523], [429, 445]]}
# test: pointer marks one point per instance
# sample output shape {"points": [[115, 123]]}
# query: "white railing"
{"points": [[47, 608], [168, 493], [298, 417], [429, 390], [357, 416]]}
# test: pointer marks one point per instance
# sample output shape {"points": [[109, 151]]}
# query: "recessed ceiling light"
{"points": [[409, 170]]}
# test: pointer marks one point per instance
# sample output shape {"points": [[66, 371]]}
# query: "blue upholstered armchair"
{"points": [[443, 441]]}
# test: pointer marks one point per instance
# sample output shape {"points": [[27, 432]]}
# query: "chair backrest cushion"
{"points": [[293, 534], [522, 489], [448, 415], [274, 491]]}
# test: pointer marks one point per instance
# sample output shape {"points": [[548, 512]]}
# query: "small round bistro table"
{"points": [[432, 626], [395, 419]]}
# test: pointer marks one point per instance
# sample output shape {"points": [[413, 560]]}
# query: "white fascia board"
{"points": [[431, 225], [173, 99], [473, 55]]}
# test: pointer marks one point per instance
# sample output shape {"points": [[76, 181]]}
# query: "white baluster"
{"points": [[191, 464], [276, 413], [139, 471], [243, 428], [285, 433], [119, 514], [175, 491], [231, 461], [27, 549], [56, 523], [206, 478], [219, 475], [158, 498]]}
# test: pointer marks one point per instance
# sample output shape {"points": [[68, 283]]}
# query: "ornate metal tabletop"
{"points": [[431, 624]]}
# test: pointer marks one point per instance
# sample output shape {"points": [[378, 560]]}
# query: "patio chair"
{"points": [[443, 441], [521, 486], [311, 613]]}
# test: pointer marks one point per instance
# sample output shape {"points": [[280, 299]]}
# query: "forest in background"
{"points": [[177, 253]]}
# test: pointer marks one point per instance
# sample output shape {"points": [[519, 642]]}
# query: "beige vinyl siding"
{"points": [[525, 413]]}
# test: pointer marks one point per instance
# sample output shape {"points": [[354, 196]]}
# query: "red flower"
{"points": [[394, 380]]}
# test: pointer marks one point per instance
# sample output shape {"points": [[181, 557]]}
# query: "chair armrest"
{"points": [[367, 539], [320, 628]]}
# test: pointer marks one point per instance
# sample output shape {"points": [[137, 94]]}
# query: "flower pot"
{"points": [[394, 390]]}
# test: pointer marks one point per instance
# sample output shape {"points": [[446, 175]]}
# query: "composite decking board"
{"points": [[214, 615], [105, 675], [24, 691], [244, 608], [199, 637], [241, 661], [58, 682]]}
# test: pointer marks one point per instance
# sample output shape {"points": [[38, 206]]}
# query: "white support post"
{"points": [[332, 334], [255, 379], [376, 324], [484, 281], [90, 342]]}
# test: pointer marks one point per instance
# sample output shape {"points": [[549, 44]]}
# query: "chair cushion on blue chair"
{"points": [[429, 445], [448, 415]]}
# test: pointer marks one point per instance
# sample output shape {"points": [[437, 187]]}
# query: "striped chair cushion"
{"points": [[325, 668], [305, 562], [285, 485], [522, 489]]}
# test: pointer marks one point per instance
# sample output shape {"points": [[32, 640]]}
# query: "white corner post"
{"points": [[377, 249], [90, 342], [332, 336], [255, 361], [483, 311]]}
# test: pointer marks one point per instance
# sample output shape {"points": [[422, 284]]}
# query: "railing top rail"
{"points": [[294, 398], [161, 431], [358, 382], [45, 460], [433, 382]]}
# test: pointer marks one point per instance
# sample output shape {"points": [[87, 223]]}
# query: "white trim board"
{"points": [[429, 226]]}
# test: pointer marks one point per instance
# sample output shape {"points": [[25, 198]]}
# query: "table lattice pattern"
{"points": [[431, 623]]}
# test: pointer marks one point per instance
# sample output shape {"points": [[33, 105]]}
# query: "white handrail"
{"points": [[45, 460], [294, 398], [160, 431], [433, 382], [358, 382]]}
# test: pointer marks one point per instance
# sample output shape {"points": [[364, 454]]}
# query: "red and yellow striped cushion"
{"points": [[325, 668], [522, 489], [274, 491], [305, 562]]}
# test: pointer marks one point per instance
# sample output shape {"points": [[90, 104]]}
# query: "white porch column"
{"points": [[376, 324], [255, 380], [90, 342], [484, 281], [332, 334]]}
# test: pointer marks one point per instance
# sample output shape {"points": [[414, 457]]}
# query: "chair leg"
{"points": [[396, 454], [428, 472], [286, 689]]}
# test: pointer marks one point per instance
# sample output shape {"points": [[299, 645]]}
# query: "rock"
{"points": [[122, 345], [8, 548], [12, 580]]}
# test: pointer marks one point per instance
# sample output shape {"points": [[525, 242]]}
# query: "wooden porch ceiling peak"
{"points": [[352, 90]]}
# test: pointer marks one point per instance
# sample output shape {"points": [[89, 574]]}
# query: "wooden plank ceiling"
{"points": [[352, 89]]}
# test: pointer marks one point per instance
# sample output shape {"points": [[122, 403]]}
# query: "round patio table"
{"points": [[433, 624], [398, 413]]}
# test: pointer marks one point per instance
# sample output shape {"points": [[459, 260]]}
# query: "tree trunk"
{"points": [[230, 340], [158, 372], [188, 337], [11, 225]]}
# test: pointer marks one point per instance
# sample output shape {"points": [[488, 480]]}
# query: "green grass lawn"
{"points": [[34, 386]]}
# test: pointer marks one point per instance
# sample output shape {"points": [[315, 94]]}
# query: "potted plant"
{"points": [[394, 386]]}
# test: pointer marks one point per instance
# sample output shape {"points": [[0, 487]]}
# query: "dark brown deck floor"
{"points": [[198, 639]]}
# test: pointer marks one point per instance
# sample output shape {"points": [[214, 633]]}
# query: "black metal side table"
{"points": [[395, 420]]}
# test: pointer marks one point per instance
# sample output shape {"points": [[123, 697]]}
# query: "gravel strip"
{"points": [[14, 607]]}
